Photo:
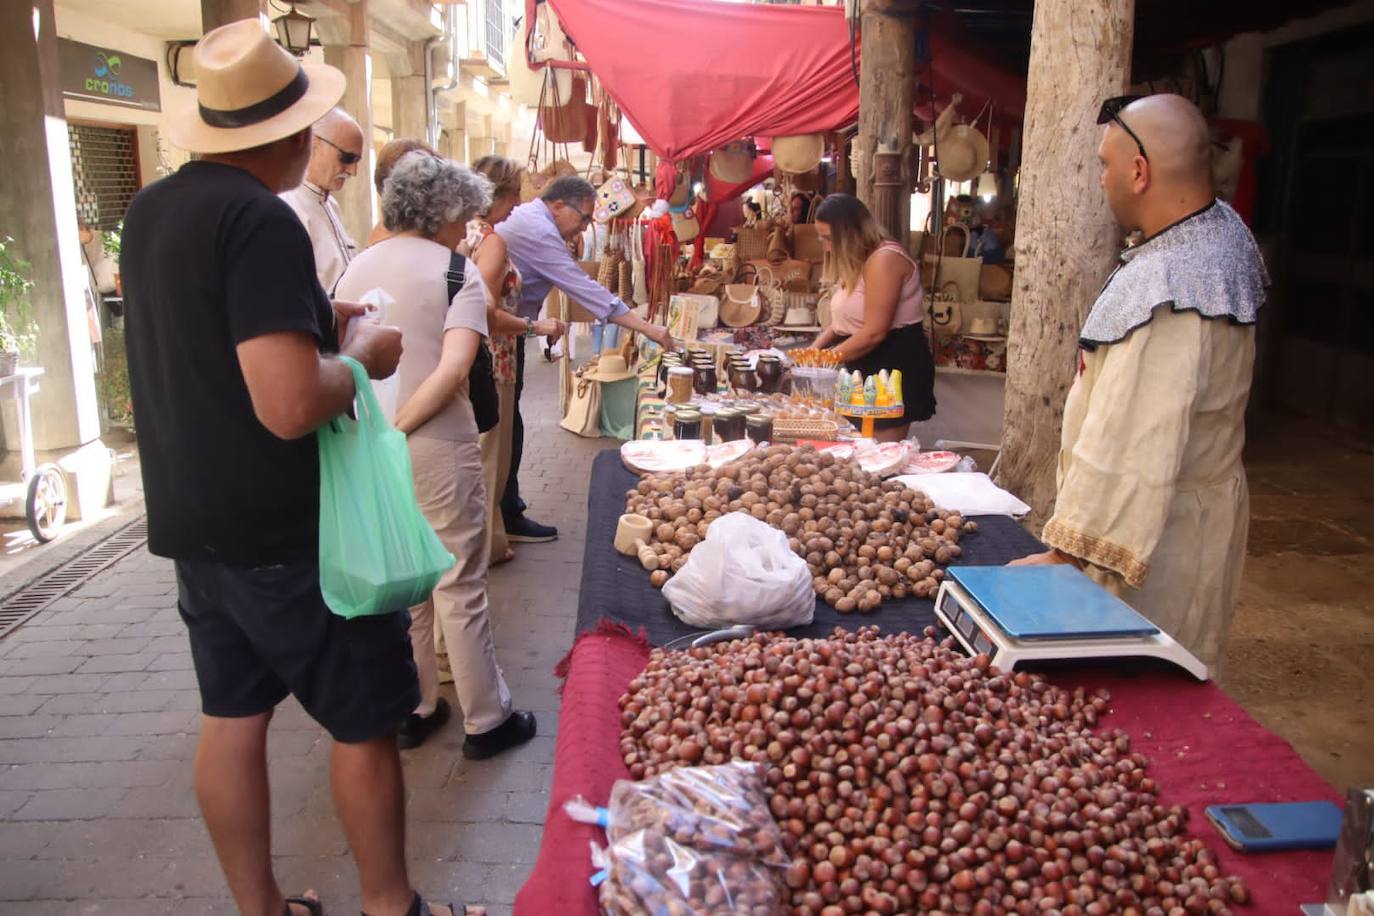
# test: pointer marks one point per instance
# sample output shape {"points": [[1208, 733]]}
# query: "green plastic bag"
{"points": [[377, 552]]}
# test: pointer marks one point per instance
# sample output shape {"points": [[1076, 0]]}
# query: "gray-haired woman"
{"points": [[426, 204]]}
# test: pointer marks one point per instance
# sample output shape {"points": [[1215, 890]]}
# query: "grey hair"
{"points": [[570, 189], [425, 193]]}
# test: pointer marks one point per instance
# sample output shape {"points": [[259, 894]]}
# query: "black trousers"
{"points": [[512, 506]]}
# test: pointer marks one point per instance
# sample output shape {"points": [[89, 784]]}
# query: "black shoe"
{"points": [[526, 531], [415, 729], [516, 730]]}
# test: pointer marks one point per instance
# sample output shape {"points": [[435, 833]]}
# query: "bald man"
{"points": [[336, 149], [1152, 496]]}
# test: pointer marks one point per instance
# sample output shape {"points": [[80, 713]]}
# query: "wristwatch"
{"points": [[529, 327]]}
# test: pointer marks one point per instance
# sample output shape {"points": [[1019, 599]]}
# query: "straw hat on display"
{"points": [[963, 153], [800, 153], [733, 163], [611, 367], [250, 92]]}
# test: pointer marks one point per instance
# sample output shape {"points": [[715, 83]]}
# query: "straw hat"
{"points": [[733, 163], [250, 92], [611, 367], [800, 153], [963, 153]]}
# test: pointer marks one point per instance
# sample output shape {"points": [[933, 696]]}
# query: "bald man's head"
{"points": [[1174, 176], [338, 147]]}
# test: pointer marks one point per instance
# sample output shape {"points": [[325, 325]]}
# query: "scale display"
{"points": [[1019, 614]]}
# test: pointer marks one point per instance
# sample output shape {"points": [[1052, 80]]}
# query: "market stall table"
{"points": [[1203, 748]]}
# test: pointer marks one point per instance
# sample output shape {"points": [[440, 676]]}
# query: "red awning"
{"points": [[693, 75]]}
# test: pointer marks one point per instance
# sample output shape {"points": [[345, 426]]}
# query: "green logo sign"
{"points": [[104, 80]]}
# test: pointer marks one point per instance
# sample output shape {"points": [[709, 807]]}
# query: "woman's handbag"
{"points": [[564, 120], [741, 305], [685, 225], [583, 414], [946, 312], [751, 242], [615, 198], [639, 269], [486, 402], [366, 487]]}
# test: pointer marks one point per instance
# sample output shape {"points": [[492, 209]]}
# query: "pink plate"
{"points": [[930, 462]]}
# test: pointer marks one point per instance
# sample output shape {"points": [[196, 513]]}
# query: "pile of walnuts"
{"points": [[864, 539], [907, 777]]}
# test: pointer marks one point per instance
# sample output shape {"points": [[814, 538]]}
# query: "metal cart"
{"points": [[43, 489]]}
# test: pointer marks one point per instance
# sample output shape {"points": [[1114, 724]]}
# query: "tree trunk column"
{"points": [[1066, 238], [38, 200], [345, 42], [887, 80]]}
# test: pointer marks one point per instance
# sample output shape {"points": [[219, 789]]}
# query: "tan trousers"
{"points": [[496, 449], [448, 487]]}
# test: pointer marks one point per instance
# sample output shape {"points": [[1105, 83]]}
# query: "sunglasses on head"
{"points": [[345, 157], [1111, 112]]}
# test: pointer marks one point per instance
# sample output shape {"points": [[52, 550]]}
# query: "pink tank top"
{"points": [[847, 309]]}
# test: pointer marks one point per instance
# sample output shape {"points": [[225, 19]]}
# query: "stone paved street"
{"points": [[98, 723]]}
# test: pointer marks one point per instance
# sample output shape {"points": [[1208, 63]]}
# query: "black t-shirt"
{"points": [[212, 258]]}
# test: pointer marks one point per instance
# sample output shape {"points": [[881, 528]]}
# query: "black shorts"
{"points": [[260, 634]]}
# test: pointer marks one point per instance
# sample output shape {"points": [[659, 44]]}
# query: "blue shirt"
{"points": [[541, 255]]}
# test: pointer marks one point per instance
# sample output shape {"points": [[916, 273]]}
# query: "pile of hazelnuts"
{"points": [[908, 777], [864, 539]]}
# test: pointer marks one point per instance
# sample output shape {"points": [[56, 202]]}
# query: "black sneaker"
{"points": [[415, 729], [516, 730], [523, 530]]}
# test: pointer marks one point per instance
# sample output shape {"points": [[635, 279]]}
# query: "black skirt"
{"points": [[906, 349]]}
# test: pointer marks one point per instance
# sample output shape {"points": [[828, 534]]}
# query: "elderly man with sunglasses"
{"points": [[1152, 496], [334, 158]]}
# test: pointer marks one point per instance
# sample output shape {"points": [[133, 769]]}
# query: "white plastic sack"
{"points": [[743, 572], [967, 494], [386, 390]]}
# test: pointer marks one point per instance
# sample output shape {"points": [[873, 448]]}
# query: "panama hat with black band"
{"points": [[250, 92]]}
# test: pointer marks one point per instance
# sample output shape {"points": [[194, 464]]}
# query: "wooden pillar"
{"points": [[215, 13], [1066, 239], [887, 81]]}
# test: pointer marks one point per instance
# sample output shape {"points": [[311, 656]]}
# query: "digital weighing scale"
{"points": [[1019, 614]]}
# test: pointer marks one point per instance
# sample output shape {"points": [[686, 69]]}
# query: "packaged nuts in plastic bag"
{"points": [[695, 840]]}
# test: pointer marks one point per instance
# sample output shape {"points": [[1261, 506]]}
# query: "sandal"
{"points": [[312, 904], [506, 558], [418, 908]]}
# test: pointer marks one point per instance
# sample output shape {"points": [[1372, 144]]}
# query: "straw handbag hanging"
{"points": [[741, 305], [639, 270]]}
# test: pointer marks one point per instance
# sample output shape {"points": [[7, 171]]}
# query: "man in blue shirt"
{"points": [[537, 235]]}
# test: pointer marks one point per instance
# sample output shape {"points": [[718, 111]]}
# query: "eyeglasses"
{"points": [[345, 157], [586, 215], [1111, 111]]}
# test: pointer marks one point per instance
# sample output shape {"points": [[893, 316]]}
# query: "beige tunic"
{"points": [[1152, 492], [323, 220]]}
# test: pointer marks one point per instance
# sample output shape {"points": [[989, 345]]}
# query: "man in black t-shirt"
{"points": [[230, 339]]}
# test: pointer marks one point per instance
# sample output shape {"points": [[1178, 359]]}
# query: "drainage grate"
{"points": [[21, 605]]}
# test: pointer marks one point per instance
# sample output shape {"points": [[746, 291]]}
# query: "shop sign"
{"points": [[94, 74]]}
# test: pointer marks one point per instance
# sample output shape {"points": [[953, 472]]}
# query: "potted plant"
{"points": [[17, 331]]}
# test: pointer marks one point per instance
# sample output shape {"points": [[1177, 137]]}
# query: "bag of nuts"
{"points": [[694, 840]]}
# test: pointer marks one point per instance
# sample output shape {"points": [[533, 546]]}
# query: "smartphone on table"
{"points": [[1272, 827]]}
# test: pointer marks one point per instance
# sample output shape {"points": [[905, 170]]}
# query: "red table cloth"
{"points": [[1203, 749]]}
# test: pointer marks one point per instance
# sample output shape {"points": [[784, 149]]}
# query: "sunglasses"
{"points": [[1111, 111], [345, 157]]}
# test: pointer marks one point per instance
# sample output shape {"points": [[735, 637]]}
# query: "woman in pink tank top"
{"points": [[877, 308]]}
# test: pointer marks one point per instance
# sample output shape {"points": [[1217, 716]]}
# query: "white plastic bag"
{"points": [[965, 493], [743, 572], [386, 389]]}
